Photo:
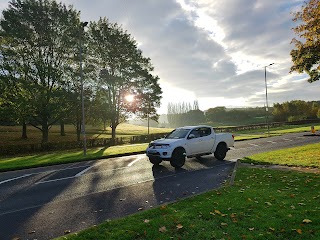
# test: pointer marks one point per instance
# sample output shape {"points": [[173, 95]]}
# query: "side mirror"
{"points": [[191, 136]]}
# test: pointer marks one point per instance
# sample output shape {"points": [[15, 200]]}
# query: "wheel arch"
{"points": [[178, 148]]}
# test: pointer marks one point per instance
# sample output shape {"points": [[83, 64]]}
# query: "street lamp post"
{"points": [[267, 107], [83, 24], [148, 116]]}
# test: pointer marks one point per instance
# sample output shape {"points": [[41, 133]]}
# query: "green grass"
{"points": [[11, 135], [46, 159], [262, 204], [305, 156], [294, 129]]}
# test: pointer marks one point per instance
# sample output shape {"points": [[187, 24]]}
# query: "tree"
{"points": [[41, 39], [217, 114], [121, 69], [295, 110], [194, 117], [306, 56]]}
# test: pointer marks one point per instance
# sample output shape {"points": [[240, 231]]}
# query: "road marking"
{"points": [[271, 142], [286, 139], [84, 171], [55, 180], [12, 179], [134, 161], [255, 145]]}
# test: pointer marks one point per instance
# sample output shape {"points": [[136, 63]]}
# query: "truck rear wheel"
{"points": [[221, 151], [178, 158], [155, 161]]}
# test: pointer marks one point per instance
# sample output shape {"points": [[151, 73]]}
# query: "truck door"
{"points": [[207, 139], [194, 143]]}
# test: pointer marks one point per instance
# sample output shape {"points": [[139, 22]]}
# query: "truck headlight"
{"points": [[165, 146]]}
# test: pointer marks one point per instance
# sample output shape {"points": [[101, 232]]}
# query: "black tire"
{"points": [[221, 151], [178, 158], [155, 161]]}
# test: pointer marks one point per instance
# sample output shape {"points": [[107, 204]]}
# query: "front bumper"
{"points": [[164, 154]]}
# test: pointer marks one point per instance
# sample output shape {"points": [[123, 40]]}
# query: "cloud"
{"points": [[214, 51]]}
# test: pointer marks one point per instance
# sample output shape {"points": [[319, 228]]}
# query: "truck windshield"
{"points": [[178, 133]]}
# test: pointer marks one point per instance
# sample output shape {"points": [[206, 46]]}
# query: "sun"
{"points": [[129, 98]]}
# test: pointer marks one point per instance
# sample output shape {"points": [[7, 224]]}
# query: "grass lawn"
{"points": [[46, 159], [262, 204], [53, 158], [304, 156], [11, 135]]}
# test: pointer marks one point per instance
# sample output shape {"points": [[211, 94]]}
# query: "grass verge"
{"points": [[304, 156], [61, 157], [46, 159], [262, 204]]}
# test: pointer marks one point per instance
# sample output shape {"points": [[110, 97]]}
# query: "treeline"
{"points": [[48, 63], [181, 114], [296, 110], [238, 116]]}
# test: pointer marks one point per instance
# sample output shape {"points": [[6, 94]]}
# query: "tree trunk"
{"points": [[62, 132], [113, 132], [24, 130], [45, 131], [78, 130]]}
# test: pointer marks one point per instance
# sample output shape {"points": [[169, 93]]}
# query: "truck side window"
{"points": [[205, 132], [195, 132]]}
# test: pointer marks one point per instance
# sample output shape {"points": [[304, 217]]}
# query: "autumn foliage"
{"points": [[306, 55]]}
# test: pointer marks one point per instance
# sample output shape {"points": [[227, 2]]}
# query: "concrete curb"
{"points": [[234, 172]]}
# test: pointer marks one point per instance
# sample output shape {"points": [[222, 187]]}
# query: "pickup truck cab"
{"points": [[189, 141]]}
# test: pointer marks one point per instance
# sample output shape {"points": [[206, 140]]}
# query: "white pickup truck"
{"points": [[189, 141]]}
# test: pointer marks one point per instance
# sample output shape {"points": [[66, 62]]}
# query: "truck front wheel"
{"points": [[221, 151], [178, 158], [155, 161]]}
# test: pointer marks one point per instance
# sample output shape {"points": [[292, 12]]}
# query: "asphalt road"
{"points": [[44, 203]]}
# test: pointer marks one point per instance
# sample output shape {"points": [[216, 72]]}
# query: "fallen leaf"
{"points": [[163, 207], [163, 229], [268, 203], [146, 220], [179, 226], [16, 238], [67, 231], [224, 224], [306, 221], [140, 209], [251, 229], [271, 229], [31, 232], [217, 211], [299, 231]]}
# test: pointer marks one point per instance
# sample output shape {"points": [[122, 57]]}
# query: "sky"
{"points": [[212, 51]]}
